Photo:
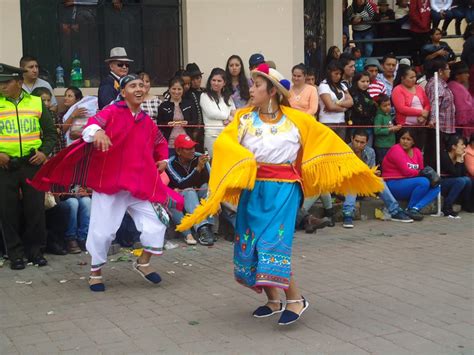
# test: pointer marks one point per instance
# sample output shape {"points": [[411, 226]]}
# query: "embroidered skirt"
{"points": [[265, 226]]}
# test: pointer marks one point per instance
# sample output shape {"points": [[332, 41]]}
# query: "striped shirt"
{"points": [[376, 88], [367, 13]]}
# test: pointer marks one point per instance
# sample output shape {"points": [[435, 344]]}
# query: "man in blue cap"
{"points": [[27, 136], [255, 60]]}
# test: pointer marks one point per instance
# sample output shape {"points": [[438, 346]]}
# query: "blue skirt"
{"points": [[265, 226]]}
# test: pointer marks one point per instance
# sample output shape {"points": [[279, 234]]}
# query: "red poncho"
{"points": [[129, 164]]}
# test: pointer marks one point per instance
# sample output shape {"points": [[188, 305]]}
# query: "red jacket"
{"points": [[128, 165], [420, 16], [402, 102]]}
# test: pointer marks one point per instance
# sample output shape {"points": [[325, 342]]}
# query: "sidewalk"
{"points": [[381, 288]]}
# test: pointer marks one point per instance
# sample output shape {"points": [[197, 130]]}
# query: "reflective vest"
{"points": [[19, 125]]}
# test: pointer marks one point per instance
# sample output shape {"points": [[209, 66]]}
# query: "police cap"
{"points": [[9, 72]]}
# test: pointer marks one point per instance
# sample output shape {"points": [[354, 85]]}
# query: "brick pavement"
{"points": [[381, 288]]}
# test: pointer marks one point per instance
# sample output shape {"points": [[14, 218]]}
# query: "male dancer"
{"points": [[123, 172]]}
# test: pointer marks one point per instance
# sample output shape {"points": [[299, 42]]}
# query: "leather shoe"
{"points": [[206, 237], [17, 264], [55, 249], [312, 223], [73, 247], [82, 245], [38, 260]]}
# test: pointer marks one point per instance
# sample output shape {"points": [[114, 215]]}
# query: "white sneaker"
{"points": [[169, 245]]}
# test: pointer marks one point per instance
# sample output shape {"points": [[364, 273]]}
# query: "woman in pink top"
{"points": [[401, 168], [412, 106], [463, 99], [303, 97]]}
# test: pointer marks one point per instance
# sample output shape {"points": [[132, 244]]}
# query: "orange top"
{"points": [[306, 101]]}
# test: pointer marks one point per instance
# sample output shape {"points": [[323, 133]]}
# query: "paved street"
{"points": [[381, 288]]}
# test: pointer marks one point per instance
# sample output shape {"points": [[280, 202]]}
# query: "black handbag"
{"points": [[430, 173]]}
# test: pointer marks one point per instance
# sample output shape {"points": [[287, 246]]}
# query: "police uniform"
{"points": [[26, 126]]}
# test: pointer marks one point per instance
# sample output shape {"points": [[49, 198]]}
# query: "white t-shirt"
{"points": [[330, 117]]}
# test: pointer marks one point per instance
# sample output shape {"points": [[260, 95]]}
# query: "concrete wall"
{"points": [[10, 32], [216, 29]]}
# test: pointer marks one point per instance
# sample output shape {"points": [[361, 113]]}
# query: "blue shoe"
{"points": [[152, 277], [265, 311], [99, 287], [347, 222], [401, 216], [289, 317]]}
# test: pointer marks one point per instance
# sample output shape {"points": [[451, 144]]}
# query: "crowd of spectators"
{"points": [[385, 110]]}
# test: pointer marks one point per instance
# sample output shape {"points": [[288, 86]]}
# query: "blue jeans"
{"points": [[436, 17], [326, 199], [454, 187], [367, 47], [191, 201], [78, 219], [416, 190], [386, 196], [380, 153]]}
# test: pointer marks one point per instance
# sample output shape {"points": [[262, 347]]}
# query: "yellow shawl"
{"points": [[326, 164]]}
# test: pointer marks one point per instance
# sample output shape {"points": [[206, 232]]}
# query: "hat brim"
{"points": [[5, 78], [276, 83], [188, 146], [118, 59]]}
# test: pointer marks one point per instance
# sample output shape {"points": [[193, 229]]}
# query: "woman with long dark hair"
{"points": [[236, 81], [334, 53], [217, 107], [175, 113], [335, 100], [364, 109], [265, 159], [401, 169]]}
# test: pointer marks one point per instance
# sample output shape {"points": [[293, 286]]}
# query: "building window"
{"points": [[59, 31], [315, 35]]}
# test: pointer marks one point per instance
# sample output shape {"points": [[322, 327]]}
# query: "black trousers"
{"points": [[21, 213]]}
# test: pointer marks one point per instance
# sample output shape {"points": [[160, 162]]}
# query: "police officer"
{"points": [[27, 136]]}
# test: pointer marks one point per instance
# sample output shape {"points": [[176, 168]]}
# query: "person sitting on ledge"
{"points": [[359, 141]]}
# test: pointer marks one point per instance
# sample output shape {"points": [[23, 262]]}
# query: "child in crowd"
{"points": [[384, 129], [359, 61], [46, 97], [311, 78], [376, 87], [364, 109]]}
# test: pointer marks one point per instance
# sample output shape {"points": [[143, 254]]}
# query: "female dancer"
{"points": [[264, 161]]}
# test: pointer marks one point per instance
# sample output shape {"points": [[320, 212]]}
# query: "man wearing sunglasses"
{"points": [[119, 64]]}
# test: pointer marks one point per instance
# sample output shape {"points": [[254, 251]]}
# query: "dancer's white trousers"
{"points": [[107, 212]]}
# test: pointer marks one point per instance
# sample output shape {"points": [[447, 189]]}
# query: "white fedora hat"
{"points": [[118, 53]]}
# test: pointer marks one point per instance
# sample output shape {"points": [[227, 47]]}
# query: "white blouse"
{"points": [[214, 114], [276, 143]]}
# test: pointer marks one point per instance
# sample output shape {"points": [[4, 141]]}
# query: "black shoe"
{"points": [[329, 213], [55, 249], [312, 223], [82, 245], [206, 237], [414, 214], [39, 260], [17, 264]]}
